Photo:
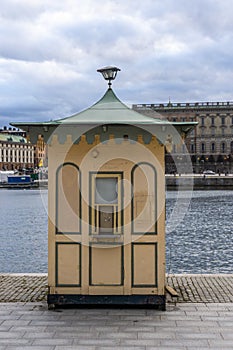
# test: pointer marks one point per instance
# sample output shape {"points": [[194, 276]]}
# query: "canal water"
{"points": [[199, 231]]}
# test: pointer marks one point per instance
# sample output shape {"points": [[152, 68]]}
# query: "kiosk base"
{"points": [[73, 300]]}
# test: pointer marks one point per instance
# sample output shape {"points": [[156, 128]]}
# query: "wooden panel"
{"points": [[144, 199], [68, 264], [144, 264], [106, 266], [68, 200]]}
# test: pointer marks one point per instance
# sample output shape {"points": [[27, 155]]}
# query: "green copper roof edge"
{"points": [[154, 121]]}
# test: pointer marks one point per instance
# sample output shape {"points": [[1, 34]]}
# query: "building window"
{"points": [[212, 121], [213, 147], [192, 133], [192, 148], [202, 147], [212, 131], [231, 146], [202, 121], [223, 120], [223, 131], [223, 147]]}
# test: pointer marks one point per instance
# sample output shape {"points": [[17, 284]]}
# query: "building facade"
{"points": [[40, 154], [16, 152], [210, 145]]}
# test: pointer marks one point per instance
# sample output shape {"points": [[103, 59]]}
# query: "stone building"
{"points": [[40, 154], [11, 139], [16, 153], [210, 145]]}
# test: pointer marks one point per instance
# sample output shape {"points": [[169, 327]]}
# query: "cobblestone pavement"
{"points": [[23, 287], [190, 288], [204, 288]]}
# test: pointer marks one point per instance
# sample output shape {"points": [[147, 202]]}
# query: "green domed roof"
{"points": [[108, 110]]}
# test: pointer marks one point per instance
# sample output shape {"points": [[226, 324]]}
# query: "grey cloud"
{"points": [[50, 53]]}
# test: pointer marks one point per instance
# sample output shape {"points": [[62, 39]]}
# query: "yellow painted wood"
{"points": [[68, 199], [97, 290], [106, 263], [145, 291], [144, 264], [144, 199], [106, 268], [172, 291], [68, 265], [127, 269], [68, 290]]}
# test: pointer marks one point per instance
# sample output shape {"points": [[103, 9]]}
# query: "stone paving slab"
{"points": [[195, 288], [188, 326]]}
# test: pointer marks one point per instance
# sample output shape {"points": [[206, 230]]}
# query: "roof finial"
{"points": [[109, 73]]}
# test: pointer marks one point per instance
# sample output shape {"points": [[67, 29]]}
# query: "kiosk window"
{"points": [[106, 203], [106, 190]]}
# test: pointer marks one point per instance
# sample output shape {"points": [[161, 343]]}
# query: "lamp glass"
{"points": [[109, 73]]}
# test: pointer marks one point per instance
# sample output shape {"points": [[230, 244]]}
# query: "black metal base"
{"points": [[136, 301]]}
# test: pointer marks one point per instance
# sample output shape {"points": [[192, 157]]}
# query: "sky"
{"points": [[50, 51]]}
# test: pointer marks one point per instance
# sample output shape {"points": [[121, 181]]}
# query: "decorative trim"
{"points": [[57, 197], [156, 266], [80, 265], [132, 200]]}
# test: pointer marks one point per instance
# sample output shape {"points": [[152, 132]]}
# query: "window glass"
{"points": [[106, 190]]}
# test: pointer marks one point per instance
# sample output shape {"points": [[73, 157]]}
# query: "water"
{"points": [[201, 242], [23, 231]]}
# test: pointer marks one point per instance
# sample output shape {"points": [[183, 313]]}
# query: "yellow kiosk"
{"points": [[106, 203]]}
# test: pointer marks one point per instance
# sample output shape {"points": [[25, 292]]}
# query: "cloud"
{"points": [[49, 53]]}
